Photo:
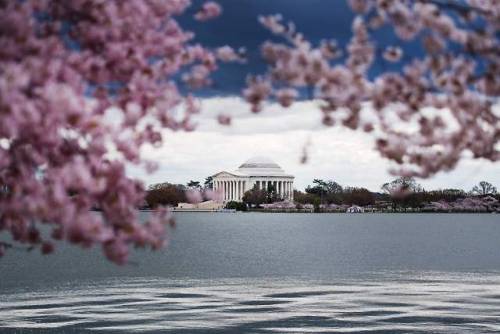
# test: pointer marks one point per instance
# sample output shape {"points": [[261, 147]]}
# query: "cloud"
{"points": [[335, 153]]}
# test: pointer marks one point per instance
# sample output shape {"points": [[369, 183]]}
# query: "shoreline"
{"points": [[335, 212]]}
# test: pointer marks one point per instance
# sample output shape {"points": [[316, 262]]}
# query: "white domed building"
{"points": [[257, 172]]}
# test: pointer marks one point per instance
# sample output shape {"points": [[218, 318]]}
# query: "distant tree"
{"points": [[317, 204], [333, 187], [272, 195], [328, 191], [165, 194], [358, 196], [238, 206], [255, 197], [209, 182], [403, 191], [484, 188], [304, 197], [401, 185], [448, 195], [316, 190], [194, 184], [335, 198]]}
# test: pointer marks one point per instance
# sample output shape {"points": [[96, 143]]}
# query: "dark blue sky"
{"points": [[238, 27]]}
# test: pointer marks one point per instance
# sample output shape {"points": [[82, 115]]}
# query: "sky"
{"points": [[281, 134]]}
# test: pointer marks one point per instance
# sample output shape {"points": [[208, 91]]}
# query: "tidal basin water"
{"points": [[271, 273]]}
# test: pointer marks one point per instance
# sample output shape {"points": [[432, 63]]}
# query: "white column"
{"points": [[231, 196], [239, 189], [234, 190]]}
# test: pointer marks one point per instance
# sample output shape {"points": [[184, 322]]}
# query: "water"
{"points": [[271, 273]]}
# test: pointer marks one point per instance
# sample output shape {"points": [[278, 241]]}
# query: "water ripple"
{"points": [[387, 303]]}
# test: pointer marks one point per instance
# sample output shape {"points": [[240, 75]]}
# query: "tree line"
{"points": [[402, 192]]}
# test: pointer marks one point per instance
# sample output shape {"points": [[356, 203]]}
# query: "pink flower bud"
{"points": [[208, 11]]}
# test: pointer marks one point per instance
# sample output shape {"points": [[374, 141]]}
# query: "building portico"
{"points": [[261, 173]]}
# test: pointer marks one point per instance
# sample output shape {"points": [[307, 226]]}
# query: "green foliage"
{"points": [[256, 197], [194, 184], [238, 206], [303, 198], [316, 202], [272, 195], [209, 182], [328, 191]]}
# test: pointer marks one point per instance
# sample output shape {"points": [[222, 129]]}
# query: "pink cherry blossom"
{"points": [[226, 53], [286, 96], [393, 54], [208, 11], [257, 91], [461, 82], [224, 119], [60, 154], [194, 196]]}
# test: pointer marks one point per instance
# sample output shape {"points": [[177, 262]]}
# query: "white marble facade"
{"points": [[259, 172]]}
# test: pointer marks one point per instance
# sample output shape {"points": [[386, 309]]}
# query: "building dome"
{"points": [[259, 162], [260, 166]]}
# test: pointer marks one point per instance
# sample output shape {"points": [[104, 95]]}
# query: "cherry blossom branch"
{"points": [[65, 66], [429, 114]]}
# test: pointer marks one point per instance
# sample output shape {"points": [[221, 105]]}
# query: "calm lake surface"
{"points": [[271, 273]]}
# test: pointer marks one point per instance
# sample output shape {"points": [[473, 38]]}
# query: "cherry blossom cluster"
{"points": [[425, 116], [65, 65]]}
